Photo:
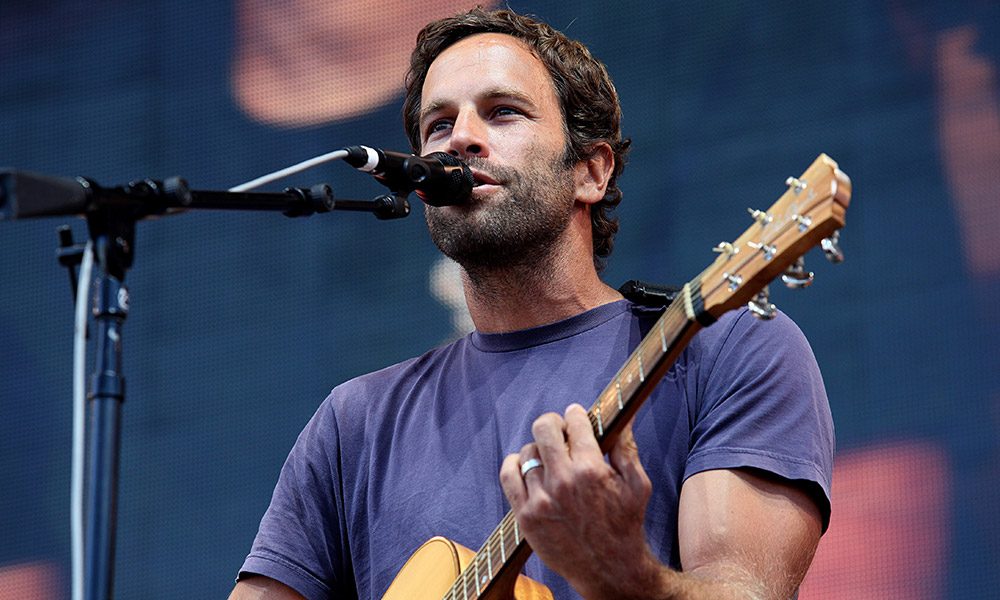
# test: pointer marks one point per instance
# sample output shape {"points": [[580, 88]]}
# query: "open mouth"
{"points": [[479, 179]]}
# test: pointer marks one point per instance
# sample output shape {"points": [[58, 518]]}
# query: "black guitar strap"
{"points": [[648, 294]]}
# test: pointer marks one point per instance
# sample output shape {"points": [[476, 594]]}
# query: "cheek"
{"points": [[518, 145]]}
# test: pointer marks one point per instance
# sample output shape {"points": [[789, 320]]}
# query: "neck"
{"points": [[534, 292]]}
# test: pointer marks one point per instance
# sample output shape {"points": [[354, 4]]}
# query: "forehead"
{"points": [[487, 61]]}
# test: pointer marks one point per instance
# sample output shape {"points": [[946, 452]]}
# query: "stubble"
{"points": [[516, 227]]}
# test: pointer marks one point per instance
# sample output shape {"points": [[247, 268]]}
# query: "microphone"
{"points": [[439, 178]]}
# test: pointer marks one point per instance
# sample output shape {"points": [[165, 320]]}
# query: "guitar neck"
{"points": [[811, 209], [647, 364], [505, 549]]}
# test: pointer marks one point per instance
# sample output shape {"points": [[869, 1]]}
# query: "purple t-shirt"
{"points": [[398, 456]]}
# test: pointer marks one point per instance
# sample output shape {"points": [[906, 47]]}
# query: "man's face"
{"points": [[488, 100]]}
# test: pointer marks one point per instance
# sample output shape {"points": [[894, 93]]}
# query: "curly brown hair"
{"points": [[587, 97]]}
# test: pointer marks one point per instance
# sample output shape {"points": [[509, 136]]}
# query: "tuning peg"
{"points": [[796, 276], [761, 306], [831, 247], [803, 221], [796, 184], [768, 249], [734, 281], [725, 248], [760, 216]]}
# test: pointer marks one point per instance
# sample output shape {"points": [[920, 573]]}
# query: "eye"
{"points": [[438, 126], [505, 111]]}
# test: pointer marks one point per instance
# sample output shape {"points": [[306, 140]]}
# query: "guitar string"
{"points": [[674, 319]]}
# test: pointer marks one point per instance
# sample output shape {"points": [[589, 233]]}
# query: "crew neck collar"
{"points": [[551, 332]]}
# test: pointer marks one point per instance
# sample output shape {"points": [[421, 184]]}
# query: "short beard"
{"points": [[515, 228]]}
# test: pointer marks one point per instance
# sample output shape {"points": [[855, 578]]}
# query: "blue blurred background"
{"points": [[241, 323]]}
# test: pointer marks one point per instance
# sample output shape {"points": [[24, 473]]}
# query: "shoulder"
{"points": [[761, 404], [739, 336], [407, 370], [745, 356], [363, 408]]}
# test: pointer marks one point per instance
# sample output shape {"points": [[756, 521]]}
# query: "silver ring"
{"points": [[528, 465]]}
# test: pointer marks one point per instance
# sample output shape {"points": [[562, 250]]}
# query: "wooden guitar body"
{"points": [[431, 571]]}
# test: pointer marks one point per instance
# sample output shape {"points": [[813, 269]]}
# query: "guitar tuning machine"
{"points": [[796, 276], [725, 248], [831, 248], [796, 184], [804, 222], [734, 281], [760, 216], [761, 306], [769, 250]]}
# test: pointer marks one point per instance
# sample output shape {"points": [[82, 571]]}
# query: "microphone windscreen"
{"points": [[453, 187]]}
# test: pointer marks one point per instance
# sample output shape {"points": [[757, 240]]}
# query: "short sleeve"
{"points": [[761, 404], [301, 541]]}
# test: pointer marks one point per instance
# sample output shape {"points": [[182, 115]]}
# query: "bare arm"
{"points": [[259, 587], [741, 535], [754, 534]]}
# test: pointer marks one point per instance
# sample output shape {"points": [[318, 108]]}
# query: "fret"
{"points": [[618, 388], [517, 534], [489, 561], [503, 551], [642, 372], [465, 588], [600, 422], [663, 338], [477, 576]]}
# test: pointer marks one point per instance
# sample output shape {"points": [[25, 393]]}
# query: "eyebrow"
{"points": [[491, 94]]}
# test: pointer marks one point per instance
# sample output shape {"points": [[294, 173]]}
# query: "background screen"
{"points": [[241, 323]]}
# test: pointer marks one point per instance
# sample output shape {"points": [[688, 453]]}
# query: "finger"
{"points": [[549, 431], [511, 482], [532, 476], [624, 457], [580, 434]]}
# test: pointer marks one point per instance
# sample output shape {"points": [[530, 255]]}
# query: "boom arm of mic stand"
{"points": [[292, 202], [25, 195]]}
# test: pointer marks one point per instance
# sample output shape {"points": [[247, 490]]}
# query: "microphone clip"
{"points": [[319, 199]]}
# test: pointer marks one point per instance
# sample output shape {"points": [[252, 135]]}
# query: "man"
{"points": [[727, 473]]}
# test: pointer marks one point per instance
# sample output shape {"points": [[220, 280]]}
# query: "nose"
{"points": [[469, 136]]}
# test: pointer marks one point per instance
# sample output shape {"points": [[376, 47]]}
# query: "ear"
{"points": [[591, 174]]}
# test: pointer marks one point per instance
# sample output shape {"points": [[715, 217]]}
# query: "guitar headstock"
{"points": [[809, 213]]}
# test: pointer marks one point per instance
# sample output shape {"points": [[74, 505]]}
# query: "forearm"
{"points": [[648, 579]]}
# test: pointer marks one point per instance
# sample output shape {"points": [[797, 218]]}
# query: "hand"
{"points": [[580, 514]]}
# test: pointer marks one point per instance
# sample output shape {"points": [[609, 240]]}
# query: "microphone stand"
{"points": [[111, 215], [113, 236]]}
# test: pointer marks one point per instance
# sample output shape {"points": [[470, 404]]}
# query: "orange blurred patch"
{"points": [[307, 62], [969, 133], [30, 581], [889, 534]]}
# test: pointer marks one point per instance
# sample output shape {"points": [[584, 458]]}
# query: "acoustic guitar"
{"points": [[810, 212]]}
